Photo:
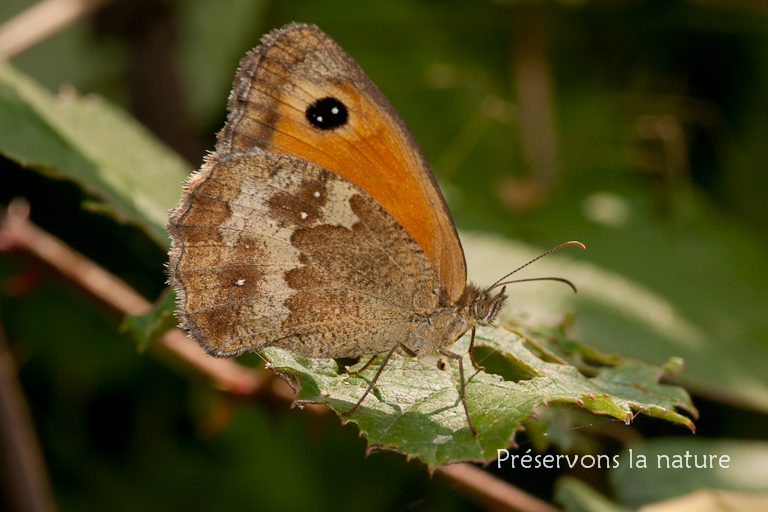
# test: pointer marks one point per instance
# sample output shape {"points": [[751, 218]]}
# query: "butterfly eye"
{"points": [[327, 114], [481, 309]]}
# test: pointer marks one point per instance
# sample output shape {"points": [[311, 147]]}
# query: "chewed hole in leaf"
{"points": [[342, 363], [507, 368], [250, 360], [596, 364]]}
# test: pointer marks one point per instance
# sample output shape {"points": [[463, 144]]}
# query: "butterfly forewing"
{"points": [[276, 104]]}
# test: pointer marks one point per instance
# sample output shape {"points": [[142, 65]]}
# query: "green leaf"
{"points": [[414, 407], [150, 326], [91, 142], [699, 299]]}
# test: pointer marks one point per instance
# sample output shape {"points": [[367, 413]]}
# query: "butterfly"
{"points": [[317, 224]]}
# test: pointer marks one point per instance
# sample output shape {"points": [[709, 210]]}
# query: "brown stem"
{"points": [[493, 491], [22, 468], [41, 21], [16, 231]]}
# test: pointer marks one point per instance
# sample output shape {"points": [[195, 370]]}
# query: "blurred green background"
{"points": [[637, 127]]}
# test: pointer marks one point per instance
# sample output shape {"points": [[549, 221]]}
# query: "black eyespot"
{"points": [[481, 309], [327, 114]]}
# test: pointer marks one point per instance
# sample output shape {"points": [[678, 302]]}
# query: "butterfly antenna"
{"points": [[501, 281]]}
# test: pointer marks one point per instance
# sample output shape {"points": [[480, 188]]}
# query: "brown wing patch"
{"points": [[340, 281]]}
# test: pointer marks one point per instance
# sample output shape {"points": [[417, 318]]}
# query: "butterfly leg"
{"points": [[365, 367], [450, 354], [375, 378], [472, 355]]}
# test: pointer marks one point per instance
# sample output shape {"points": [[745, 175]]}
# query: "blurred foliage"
{"points": [[725, 464], [648, 147]]}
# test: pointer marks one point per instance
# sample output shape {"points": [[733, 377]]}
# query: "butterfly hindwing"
{"points": [[269, 250]]}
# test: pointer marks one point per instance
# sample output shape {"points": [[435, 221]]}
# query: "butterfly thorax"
{"points": [[449, 321]]}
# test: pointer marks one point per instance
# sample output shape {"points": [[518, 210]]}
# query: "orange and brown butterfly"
{"points": [[317, 225]]}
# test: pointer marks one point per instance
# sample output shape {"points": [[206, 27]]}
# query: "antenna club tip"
{"points": [[577, 244]]}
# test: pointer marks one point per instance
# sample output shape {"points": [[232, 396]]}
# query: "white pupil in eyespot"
{"points": [[335, 110]]}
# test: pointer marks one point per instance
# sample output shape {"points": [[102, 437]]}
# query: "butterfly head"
{"points": [[486, 307]]}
